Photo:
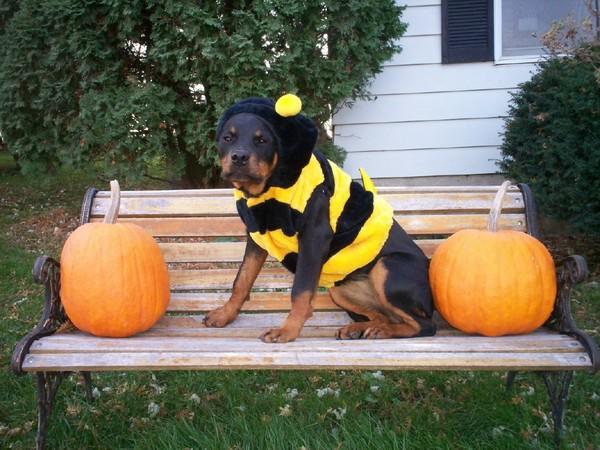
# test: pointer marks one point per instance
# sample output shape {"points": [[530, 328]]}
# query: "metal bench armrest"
{"points": [[573, 271], [45, 271]]}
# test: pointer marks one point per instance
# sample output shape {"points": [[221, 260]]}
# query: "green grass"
{"points": [[247, 409]]}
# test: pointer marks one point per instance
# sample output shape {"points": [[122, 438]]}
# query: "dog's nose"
{"points": [[239, 157]]}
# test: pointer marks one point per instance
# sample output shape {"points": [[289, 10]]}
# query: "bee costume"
{"points": [[360, 219]]}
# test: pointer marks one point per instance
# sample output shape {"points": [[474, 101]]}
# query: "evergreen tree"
{"points": [[132, 82]]}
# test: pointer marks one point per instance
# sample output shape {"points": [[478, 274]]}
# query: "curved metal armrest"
{"points": [[45, 271], [573, 271]]}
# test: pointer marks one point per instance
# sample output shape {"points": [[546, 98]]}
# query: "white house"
{"points": [[440, 103]]}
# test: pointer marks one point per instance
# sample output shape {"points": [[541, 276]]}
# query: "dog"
{"points": [[325, 228]]}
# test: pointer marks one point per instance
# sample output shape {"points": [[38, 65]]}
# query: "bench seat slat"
{"points": [[83, 343], [233, 332], [182, 206], [249, 320], [256, 332], [259, 301], [418, 224], [295, 360]]}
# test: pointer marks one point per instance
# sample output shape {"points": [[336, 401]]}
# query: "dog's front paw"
{"points": [[279, 335], [219, 317]]}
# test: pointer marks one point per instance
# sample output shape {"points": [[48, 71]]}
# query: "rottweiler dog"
{"points": [[327, 229]]}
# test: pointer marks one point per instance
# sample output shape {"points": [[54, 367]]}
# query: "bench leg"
{"points": [[87, 385], [558, 384], [510, 379], [47, 385]]}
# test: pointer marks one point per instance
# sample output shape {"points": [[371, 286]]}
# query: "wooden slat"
{"points": [[269, 359], [258, 320], [402, 202], [168, 206], [232, 332], [259, 301], [423, 224], [219, 279], [467, 201], [417, 224], [83, 343], [170, 193], [188, 226], [206, 252], [175, 252]]}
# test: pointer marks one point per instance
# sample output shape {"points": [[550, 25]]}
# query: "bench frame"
{"points": [[46, 271]]}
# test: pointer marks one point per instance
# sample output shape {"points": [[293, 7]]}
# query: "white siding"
{"points": [[429, 119], [398, 137]]}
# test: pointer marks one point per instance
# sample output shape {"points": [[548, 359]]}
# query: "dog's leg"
{"points": [[254, 259], [384, 299], [301, 311], [313, 244], [400, 297], [359, 298]]}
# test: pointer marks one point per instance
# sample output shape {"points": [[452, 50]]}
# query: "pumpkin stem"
{"points": [[497, 207], [115, 201]]}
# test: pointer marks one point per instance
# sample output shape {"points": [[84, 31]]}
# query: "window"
{"points": [[520, 24], [488, 30]]}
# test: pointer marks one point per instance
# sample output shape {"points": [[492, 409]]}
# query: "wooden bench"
{"points": [[203, 241]]}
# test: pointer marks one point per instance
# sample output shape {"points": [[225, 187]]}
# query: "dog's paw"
{"points": [[279, 335], [377, 332], [352, 331], [219, 317]]}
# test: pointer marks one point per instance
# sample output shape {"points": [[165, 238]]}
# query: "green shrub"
{"points": [[133, 82], [552, 138]]}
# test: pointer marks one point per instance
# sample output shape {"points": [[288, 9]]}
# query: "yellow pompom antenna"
{"points": [[367, 182], [288, 105]]}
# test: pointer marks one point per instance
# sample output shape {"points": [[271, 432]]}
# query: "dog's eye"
{"points": [[227, 138], [260, 140]]}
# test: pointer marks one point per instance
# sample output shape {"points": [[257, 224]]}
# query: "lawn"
{"points": [[257, 409]]}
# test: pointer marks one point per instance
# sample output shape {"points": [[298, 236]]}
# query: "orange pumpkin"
{"points": [[114, 280], [493, 282]]}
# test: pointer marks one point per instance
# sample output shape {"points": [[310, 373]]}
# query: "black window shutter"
{"points": [[467, 31]]}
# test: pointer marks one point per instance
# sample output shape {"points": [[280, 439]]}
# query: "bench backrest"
{"points": [[202, 238]]}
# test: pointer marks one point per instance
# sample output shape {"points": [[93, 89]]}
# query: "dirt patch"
{"points": [[44, 232], [563, 245]]}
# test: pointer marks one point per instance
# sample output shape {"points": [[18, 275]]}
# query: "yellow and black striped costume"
{"points": [[360, 219]]}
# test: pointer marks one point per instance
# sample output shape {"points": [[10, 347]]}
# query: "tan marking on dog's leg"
{"points": [[301, 311], [409, 326], [254, 258], [339, 295]]}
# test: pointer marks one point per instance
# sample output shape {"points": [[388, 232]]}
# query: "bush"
{"points": [[552, 138], [136, 82]]}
